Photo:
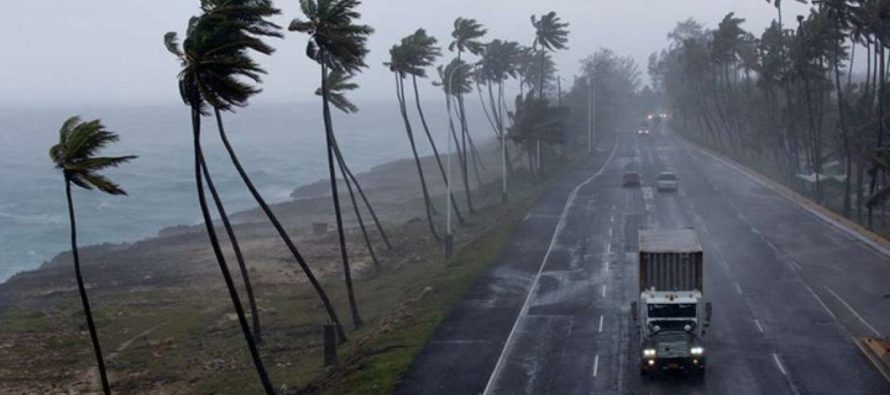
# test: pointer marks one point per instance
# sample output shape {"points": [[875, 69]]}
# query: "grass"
{"points": [[184, 340]]}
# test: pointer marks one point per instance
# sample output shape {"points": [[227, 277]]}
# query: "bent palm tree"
{"points": [[75, 155], [400, 65], [423, 53], [467, 35], [227, 59], [336, 43], [339, 84], [550, 35]]}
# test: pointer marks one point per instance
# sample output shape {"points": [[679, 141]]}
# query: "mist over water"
{"points": [[281, 145]]}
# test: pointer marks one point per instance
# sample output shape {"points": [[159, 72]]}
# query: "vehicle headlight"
{"points": [[697, 350], [649, 352]]}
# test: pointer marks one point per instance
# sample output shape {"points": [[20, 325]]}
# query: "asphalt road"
{"points": [[552, 314]]}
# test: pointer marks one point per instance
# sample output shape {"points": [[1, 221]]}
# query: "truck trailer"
{"points": [[671, 315]]}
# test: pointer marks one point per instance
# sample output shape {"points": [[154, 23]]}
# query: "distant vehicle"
{"points": [[667, 182], [671, 315], [631, 179], [644, 127]]}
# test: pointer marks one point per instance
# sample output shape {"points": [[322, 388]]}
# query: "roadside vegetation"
{"points": [[259, 330], [790, 101]]}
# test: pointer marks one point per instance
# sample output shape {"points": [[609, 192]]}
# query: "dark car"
{"points": [[631, 179]]}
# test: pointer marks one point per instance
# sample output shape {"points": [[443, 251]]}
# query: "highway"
{"points": [[790, 291]]}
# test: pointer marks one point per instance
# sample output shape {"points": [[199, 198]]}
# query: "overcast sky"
{"points": [[101, 52]]}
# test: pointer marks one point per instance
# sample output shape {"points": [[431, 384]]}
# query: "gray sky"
{"points": [[96, 52]]}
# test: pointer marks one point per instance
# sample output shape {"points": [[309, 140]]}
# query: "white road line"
{"points": [[600, 330], [738, 288], [604, 291], [609, 248], [818, 299], [610, 232], [612, 219], [779, 364], [847, 305], [759, 327], [525, 305], [596, 365], [526, 217]]}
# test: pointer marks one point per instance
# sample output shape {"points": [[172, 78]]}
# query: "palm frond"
{"points": [[75, 154]]}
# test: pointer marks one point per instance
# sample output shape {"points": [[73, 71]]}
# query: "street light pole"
{"points": [[591, 109], [449, 238]]}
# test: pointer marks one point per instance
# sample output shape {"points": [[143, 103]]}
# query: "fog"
{"points": [[110, 52]]}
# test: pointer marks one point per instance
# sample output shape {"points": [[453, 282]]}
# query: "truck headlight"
{"points": [[697, 350], [649, 352]]}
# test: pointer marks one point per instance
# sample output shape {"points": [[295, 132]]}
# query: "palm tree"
{"points": [[75, 156], [210, 64], [500, 61], [340, 83], [401, 66], [467, 35], [551, 34], [337, 44], [422, 53]]}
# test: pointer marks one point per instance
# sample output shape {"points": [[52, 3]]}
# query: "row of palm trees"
{"points": [[219, 75], [791, 97]]}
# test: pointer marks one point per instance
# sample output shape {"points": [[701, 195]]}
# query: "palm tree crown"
{"points": [[338, 84], [216, 67], [335, 41], [550, 31], [466, 34], [75, 155], [422, 52]]}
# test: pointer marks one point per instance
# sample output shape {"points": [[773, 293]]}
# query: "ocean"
{"points": [[281, 145]]}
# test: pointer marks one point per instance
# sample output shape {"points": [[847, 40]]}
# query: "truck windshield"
{"points": [[684, 310]]}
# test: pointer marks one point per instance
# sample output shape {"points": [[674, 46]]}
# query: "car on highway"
{"points": [[667, 182], [631, 179]]}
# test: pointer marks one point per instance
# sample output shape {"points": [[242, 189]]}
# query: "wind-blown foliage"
{"points": [[789, 100], [337, 44], [75, 155]]}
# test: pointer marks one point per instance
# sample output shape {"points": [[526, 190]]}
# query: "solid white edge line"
{"points": [[837, 226], [779, 364], [559, 226], [847, 305]]}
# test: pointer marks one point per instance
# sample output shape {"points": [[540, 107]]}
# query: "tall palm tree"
{"points": [[75, 155], [338, 84], [400, 65], [500, 61], [336, 43], [422, 53], [467, 36], [551, 34], [210, 64]]}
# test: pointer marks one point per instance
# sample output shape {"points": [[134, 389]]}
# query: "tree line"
{"points": [[218, 75], [792, 101]]}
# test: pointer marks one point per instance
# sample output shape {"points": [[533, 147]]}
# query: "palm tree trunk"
{"points": [[236, 247], [282, 233], [461, 155], [81, 288], [466, 154], [429, 136], [400, 92], [355, 206], [220, 258], [361, 192], [475, 158], [848, 163], [329, 135]]}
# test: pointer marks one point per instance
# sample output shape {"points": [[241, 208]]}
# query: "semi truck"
{"points": [[671, 315]]}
